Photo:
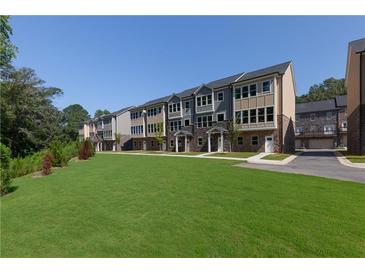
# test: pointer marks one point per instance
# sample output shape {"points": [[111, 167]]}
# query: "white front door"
{"points": [[268, 144], [220, 144]]}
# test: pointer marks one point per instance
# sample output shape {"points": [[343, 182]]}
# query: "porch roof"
{"points": [[217, 130], [183, 133]]}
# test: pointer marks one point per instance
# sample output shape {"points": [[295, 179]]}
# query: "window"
{"points": [[204, 121], [209, 99], [329, 129], [170, 108], [174, 107], [187, 122], [220, 96], [245, 92], [178, 106], [199, 101], [297, 118], [254, 140], [253, 90], [329, 115], [265, 86], [299, 130], [313, 129], [200, 141], [261, 115], [269, 114], [237, 93], [312, 116], [107, 121], [159, 110], [175, 125], [204, 100], [245, 117], [220, 117], [171, 143], [238, 117], [240, 140], [253, 116], [187, 105], [152, 143], [344, 125]]}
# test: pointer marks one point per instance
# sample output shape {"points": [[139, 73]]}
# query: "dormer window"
{"points": [[205, 100]]}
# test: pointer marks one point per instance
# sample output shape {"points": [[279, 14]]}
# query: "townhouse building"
{"points": [[148, 123], [321, 124], [102, 130], [355, 84], [260, 105]]}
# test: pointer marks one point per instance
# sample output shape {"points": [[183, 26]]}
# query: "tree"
{"points": [[233, 134], [7, 49], [118, 139], [73, 115], [159, 135], [29, 121], [328, 89], [100, 112]]}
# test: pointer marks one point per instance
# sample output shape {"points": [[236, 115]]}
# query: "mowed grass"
{"points": [[144, 206], [234, 154], [356, 159], [276, 156]]}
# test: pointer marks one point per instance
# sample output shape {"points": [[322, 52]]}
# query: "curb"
{"points": [[275, 162], [342, 159]]}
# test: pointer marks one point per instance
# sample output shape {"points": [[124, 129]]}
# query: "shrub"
{"points": [[23, 166], [86, 150], [4, 169], [56, 148], [47, 164]]}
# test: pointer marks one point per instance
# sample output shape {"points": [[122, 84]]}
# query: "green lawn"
{"points": [[276, 156], [356, 159], [234, 154], [144, 206]]}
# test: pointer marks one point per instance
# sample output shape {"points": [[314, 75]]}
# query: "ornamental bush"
{"points": [[58, 155], [4, 169], [86, 150], [47, 164]]}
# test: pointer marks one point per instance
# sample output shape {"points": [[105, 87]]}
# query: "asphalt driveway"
{"points": [[317, 163]]}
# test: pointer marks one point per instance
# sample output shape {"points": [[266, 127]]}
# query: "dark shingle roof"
{"points": [[358, 45], [187, 92], [224, 81], [315, 106], [280, 68], [121, 111], [341, 101], [155, 101]]}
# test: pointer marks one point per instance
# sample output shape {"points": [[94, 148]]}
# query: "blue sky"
{"points": [[115, 61]]}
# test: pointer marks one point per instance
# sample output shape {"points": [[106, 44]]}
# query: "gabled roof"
{"points": [[121, 111], [224, 81], [315, 106], [358, 45], [187, 92], [280, 68], [154, 102], [341, 101]]}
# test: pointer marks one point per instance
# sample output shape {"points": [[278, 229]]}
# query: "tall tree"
{"points": [[7, 49], [328, 89], [29, 121], [73, 115], [100, 112]]}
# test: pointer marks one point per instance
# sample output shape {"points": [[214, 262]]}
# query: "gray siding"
{"points": [[203, 91], [177, 114], [225, 105]]}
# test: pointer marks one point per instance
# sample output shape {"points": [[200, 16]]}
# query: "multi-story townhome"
{"points": [[321, 124], [102, 130], [260, 104], [355, 84], [148, 121]]}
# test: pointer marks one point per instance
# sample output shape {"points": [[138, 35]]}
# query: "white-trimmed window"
{"points": [[187, 105], [344, 124], [220, 96], [200, 141], [312, 116], [187, 122], [204, 100], [171, 143], [261, 115], [244, 91], [245, 117], [204, 121], [240, 140], [175, 126], [220, 117], [299, 130], [254, 140], [253, 113], [237, 93], [253, 90], [266, 86], [269, 114], [329, 129]]}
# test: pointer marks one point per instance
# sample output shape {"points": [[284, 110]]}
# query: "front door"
{"points": [[268, 144]]}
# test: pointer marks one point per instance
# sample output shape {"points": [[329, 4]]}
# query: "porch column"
{"points": [[222, 146], [176, 144], [186, 144], [209, 149]]}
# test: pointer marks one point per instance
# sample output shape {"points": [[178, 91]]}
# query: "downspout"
{"points": [[360, 106], [282, 115]]}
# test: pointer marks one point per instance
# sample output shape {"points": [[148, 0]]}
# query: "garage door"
{"points": [[298, 143], [321, 143]]}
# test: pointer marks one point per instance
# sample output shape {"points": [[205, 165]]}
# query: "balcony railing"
{"points": [[315, 133]]}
